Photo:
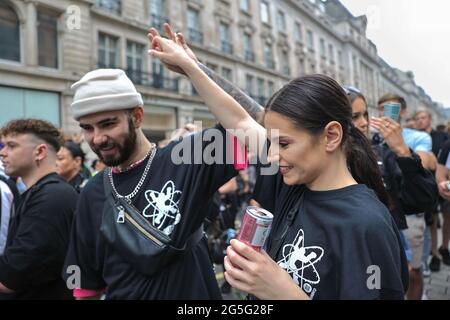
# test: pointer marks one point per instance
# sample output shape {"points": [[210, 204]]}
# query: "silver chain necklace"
{"points": [[131, 195]]}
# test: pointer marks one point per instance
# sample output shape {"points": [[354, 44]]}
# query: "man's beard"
{"points": [[124, 151]]}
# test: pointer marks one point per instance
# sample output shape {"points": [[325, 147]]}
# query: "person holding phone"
{"points": [[416, 140], [411, 187], [421, 143]]}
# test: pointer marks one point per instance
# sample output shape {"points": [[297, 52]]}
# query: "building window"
{"points": [[157, 68], [114, 6], [224, 34], [227, 74], [160, 80], [250, 85], [193, 24], [9, 33], [244, 5], [323, 53], [261, 98], [47, 39], [157, 12], [331, 53], [270, 88], [340, 59], [108, 51], [135, 57], [310, 40], [248, 48], [265, 13], [25, 103], [268, 56], [298, 32], [281, 22], [355, 65], [285, 60], [301, 67]]}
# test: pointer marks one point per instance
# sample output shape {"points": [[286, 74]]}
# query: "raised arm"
{"points": [[253, 108], [226, 110]]}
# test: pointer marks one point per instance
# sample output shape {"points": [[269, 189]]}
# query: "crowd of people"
{"points": [[353, 194]]}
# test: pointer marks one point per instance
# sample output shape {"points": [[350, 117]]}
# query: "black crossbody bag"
{"points": [[146, 247]]}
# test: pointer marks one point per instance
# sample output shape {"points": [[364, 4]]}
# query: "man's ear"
{"points": [[138, 116], [41, 152], [333, 136]]}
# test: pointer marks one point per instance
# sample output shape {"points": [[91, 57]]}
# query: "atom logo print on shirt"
{"points": [[162, 208], [299, 262]]}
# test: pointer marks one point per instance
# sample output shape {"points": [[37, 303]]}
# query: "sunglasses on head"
{"points": [[349, 90]]}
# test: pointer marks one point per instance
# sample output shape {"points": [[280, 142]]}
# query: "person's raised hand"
{"points": [[177, 38], [170, 52]]}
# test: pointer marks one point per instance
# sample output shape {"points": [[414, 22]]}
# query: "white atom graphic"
{"points": [[297, 259], [165, 213]]}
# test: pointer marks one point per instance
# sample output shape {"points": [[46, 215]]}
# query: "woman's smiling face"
{"points": [[300, 155]]}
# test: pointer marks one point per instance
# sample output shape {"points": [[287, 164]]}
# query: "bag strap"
{"points": [[278, 241]]}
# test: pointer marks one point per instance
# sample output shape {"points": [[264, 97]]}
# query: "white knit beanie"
{"points": [[104, 90]]}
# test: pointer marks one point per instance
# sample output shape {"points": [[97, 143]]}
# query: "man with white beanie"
{"points": [[172, 197]]}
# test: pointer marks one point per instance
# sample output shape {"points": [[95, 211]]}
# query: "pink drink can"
{"points": [[255, 227]]}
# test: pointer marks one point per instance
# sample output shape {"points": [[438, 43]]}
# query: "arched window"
{"points": [[9, 33]]}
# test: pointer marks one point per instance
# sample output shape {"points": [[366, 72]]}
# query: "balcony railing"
{"points": [[226, 47], [154, 80], [195, 36], [158, 21], [249, 56]]}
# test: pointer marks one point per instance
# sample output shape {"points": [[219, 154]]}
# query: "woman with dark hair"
{"points": [[411, 187], [69, 165], [331, 238]]}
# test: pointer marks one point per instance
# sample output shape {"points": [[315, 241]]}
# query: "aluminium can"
{"points": [[255, 227]]}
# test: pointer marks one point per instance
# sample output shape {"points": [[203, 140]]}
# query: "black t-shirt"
{"points": [[37, 241], [337, 241], [175, 199], [438, 139], [443, 153]]}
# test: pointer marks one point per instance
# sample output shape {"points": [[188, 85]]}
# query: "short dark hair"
{"points": [[393, 97], [74, 149], [41, 129]]}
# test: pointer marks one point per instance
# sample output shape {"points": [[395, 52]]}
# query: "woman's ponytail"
{"points": [[363, 164]]}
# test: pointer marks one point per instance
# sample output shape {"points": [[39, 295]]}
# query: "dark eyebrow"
{"points": [[107, 120], [86, 126]]}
